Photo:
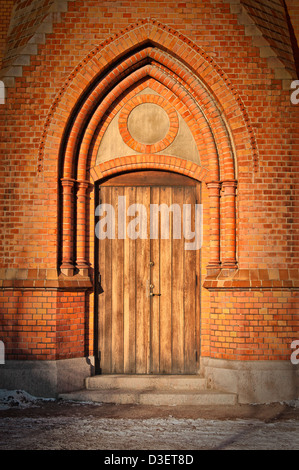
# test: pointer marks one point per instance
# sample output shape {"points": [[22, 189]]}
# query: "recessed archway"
{"points": [[190, 80]]}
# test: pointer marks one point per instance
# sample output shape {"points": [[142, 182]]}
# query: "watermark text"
{"points": [[2, 92], [295, 93], [176, 222], [2, 353], [295, 354]]}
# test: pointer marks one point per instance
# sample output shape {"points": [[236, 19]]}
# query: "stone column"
{"points": [[67, 266], [229, 260], [214, 198]]}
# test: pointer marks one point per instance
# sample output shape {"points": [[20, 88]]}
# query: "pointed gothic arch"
{"points": [[191, 79]]}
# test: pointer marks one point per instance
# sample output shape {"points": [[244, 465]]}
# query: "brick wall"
{"points": [[270, 19], [267, 208], [293, 11], [260, 92], [43, 325], [256, 325], [6, 11]]}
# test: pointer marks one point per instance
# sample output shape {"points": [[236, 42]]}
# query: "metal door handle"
{"points": [[152, 294]]}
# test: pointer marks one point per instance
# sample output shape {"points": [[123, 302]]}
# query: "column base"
{"points": [[83, 269], [67, 269], [46, 379], [255, 382], [213, 269]]}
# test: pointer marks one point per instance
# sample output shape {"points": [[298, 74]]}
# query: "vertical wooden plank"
{"points": [[198, 287], [117, 291], [105, 296], [155, 281], [142, 298], [190, 292], [166, 291], [129, 292], [101, 293], [178, 289]]}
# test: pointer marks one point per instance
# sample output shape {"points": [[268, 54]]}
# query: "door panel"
{"points": [[178, 295], [105, 295], [117, 274], [130, 294], [165, 287], [139, 333], [190, 294], [155, 281], [142, 260]]}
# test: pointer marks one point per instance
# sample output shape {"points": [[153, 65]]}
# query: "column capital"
{"points": [[213, 184], [214, 188], [83, 184], [83, 188], [68, 182], [232, 184]]}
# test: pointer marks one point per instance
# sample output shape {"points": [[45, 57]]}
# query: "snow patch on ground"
{"points": [[22, 399], [18, 398], [293, 403]]}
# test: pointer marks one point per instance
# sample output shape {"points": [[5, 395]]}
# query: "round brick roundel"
{"points": [[148, 123]]}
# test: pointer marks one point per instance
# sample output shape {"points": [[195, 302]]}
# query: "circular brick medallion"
{"points": [[148, 123]]}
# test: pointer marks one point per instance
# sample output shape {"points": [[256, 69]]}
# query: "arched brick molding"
{"points": [[168, 95], [147, 50], [99, 60], [127, 135]]}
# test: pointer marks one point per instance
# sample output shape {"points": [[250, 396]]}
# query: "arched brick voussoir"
{"points": [[120, 70], [207, 100], [173, 100], [86, 109], [150, 162], [113, 49], [201, 124]]}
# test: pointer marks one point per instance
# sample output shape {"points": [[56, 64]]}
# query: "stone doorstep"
{"points": [[171, 390], [153, 397], [146, 382]]}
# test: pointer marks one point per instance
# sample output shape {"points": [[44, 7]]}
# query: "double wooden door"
{"points": [[149, 289]]}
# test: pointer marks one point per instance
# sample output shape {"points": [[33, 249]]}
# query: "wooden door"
{"points": [[148, 305]]}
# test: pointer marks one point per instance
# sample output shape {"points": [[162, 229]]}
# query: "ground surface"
{"points": [[29, 424]]}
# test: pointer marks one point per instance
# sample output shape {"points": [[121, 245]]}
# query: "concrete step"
{"points": [[146, 382], [153, 397]]}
